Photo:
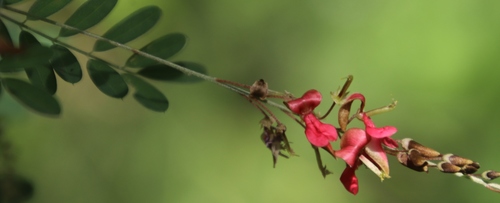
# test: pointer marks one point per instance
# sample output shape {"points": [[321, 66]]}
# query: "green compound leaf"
{"points": [[43, 77], [34, 56], [107, 79], [5, 40], [167, 73], [65, 64], [26, 40], [147, 95], [34, 98], [87, 15], [130, 28], [45, 8], [7, 2], [163, 47]]}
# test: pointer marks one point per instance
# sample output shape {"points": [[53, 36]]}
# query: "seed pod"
{"points": [[490, 175], [259, 89], [457, 160], [408, 143], [468, 169], [405, 159], [446, 167]]}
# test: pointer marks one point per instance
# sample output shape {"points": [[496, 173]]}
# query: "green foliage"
{"points": [[45, 8], [42, 62], [130, 28], [163, 47], [147, 94], [29, 58], [167, 73], [107, 79], [31, 96], [7, 2], [88, 15], [65, 64], [4, 35]]}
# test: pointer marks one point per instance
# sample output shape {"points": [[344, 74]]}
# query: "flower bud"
{"points": [[259, 89], [490, 175], [457, 160], [446, 167], [413, 160], [408, 143], [468, 169]]}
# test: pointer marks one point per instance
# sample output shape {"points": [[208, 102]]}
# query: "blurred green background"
{"points": [[439, 59]]}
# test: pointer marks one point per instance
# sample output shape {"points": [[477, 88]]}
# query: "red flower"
{"points": [[319, 134], [368, 143]]}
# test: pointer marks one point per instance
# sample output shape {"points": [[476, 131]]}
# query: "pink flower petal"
{"points": [[375, 132], [351, 145], [382, 132], [377, 154], [349, 180], [391, 143], [319, 134], [305, 104]]}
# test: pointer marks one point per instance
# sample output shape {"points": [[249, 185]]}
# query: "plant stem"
{"points": [[123, 46]]}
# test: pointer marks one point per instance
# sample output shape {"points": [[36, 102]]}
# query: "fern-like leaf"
{"points": [[45, 8], [130, 28], [31, 96], [147, 95], [106, 79], [65, 64], [163, 47], [88, 15], [167, 73]]}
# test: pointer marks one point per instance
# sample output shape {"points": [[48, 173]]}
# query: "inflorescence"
{"points": [[369, 146]]}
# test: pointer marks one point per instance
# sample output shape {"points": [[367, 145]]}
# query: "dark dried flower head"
{"points": [[259, 89]]}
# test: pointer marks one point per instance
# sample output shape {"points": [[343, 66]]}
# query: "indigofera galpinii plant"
{"points": [[368, 146]]}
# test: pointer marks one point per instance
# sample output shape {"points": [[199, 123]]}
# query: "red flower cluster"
{"points": [[355, 144], [319, 134]]}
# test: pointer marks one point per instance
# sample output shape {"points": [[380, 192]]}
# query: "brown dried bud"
{"points": [[490, 175], [266, 123], [408, 143], [406, 160], [259, 89], [446, 167], [457, 160], [468, 169]]}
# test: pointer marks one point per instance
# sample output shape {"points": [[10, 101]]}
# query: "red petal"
{"points": [[306, 103], [351, 145], [349, 180], [377, 154], [318, 133], [355, 96], [382, 132], [375, 132], [391, 143]]}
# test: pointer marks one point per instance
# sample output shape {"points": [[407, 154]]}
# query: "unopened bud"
{"points": [[259, 89], [490, 175], [408, 143], [416, 158], [468, 169], [266, 123], [407, 161], [446, 167], [457, 160]]}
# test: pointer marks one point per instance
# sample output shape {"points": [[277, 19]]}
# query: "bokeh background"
{"points": [[438, 59]]}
